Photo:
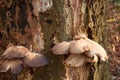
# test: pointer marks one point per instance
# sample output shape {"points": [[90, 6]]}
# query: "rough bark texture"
{"points": [[21, 23]]}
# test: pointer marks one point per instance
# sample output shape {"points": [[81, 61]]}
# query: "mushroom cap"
{"points": [[80, 36], [15, 52], [61, 48], [89, 48], [75, 60], [15, 65], [96, 49], [35, 60], [78, 47]]}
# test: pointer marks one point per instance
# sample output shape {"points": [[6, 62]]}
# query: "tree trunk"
{"points": [[30, 23]]}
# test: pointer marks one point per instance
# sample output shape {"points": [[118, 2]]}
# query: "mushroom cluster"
{"points": [[16, 58], [81, 49]]}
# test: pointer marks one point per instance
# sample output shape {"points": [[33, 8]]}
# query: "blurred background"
{"points": [[113, 37]]}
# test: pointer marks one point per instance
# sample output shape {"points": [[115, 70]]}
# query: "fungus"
{"points": [[75, 60], [78, 47], [16, 58], [35, 60], [96, 49], [81, 50], [15, 52], [61, 48], [80, 36], [14, 65]]}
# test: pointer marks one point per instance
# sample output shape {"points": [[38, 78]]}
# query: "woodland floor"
{"points": [[113, 38]]}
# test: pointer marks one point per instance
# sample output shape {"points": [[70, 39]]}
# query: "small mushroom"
{"points": [[35, 60], [80, 36], [88, 47], [15, 65], [15, 52], [75, 60], [61, 48], [78, 46], [96, 49]]}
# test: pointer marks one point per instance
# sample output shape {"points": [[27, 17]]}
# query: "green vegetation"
{"points": [[116, 1]]}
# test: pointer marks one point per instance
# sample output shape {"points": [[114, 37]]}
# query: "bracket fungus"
{"points": [[15, 52], [15, 65], [81, 50], [75, 60], [78, 46], [61, 48], [35, 60], [16, 58]]}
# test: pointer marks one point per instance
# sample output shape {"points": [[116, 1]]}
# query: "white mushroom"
{"points": [[81, 50], [80, 36], [35, 60], [88, 47], [61, 48], [15, 52], [18, 57], [75, 60], [78, 47], [15, 65], [96, 49]]}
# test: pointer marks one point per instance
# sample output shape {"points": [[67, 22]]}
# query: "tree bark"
{"points": [[27, 23]]}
